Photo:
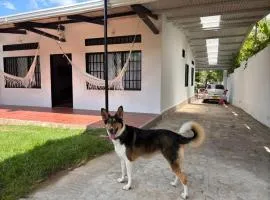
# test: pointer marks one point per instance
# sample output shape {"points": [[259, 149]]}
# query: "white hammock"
{"points": [[27, 81], [97, 83]]}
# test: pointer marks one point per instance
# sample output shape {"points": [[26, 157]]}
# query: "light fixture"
{"points": [[210, 21], [212, 50]]}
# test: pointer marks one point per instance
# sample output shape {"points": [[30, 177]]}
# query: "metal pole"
{"points": [[106, 57]]}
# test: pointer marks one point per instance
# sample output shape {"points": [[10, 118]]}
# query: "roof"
{"points": [[237, 17], [93, 8]]}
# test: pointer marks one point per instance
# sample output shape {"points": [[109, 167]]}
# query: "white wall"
{"points": [[173, 90], [249, 88], [25, 96], [147, 100]]}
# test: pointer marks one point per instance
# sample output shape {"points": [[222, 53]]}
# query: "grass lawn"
{"points": [[30, 154]]}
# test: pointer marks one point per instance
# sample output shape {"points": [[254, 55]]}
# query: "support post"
{"points": [[225, 77], [106, 57]]}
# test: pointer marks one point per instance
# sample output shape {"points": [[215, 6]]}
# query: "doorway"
{"points": [[61, 81]]}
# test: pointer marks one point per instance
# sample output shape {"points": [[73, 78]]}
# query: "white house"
{"points": [[160, 74]]}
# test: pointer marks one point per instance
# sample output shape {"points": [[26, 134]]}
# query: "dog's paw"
{"points": [[184, 195], [173, 183], [126, 187], [121, 180]]}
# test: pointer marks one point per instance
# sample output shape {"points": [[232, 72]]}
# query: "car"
{"points": [[215, 92]]}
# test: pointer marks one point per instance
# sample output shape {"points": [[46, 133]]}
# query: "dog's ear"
{"points": [[120, 112], [104, 115]]}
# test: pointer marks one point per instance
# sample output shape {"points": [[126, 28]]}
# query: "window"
{"points": [[19, 66], [220, 87], [116, 61], [183, 53], [186, 74], [192, 76], [192, 62]]}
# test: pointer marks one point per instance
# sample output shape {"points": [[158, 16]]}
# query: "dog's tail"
{"points": [[197, 139]]}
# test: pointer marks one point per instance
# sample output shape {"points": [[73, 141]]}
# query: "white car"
{"points": [[215, 92]]}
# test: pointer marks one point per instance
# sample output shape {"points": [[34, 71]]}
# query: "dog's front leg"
{"points": [[123, 169], [129, 170]]}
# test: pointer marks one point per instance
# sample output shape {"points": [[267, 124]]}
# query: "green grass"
{"points": [[29, 155]]}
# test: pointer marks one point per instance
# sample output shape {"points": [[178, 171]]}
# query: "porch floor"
{"points": [[64, 117]]}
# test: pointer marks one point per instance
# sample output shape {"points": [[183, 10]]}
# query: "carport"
{"points": [[229, 21], [216, 31]]}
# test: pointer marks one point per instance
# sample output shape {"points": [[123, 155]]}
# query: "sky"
{"points": [[10, 7]]}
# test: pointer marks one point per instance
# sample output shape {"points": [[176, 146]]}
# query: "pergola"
{"points": [[236, 19]]}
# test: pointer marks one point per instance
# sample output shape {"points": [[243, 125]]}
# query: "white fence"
{"points": [[249, 86]]}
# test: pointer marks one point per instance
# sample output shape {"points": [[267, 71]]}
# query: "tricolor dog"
{"points": [[131, 143]]}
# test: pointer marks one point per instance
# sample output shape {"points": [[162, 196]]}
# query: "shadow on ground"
{"points": [[20, 174]]}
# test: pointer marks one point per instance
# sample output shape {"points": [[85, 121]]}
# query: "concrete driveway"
{"points": [[234, 163]]}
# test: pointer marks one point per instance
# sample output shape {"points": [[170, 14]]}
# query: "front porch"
{"points": [[64, 117]]}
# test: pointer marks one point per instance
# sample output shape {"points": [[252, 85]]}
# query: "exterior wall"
{"points": [[249, 87], [147, 100], [173, 90]]}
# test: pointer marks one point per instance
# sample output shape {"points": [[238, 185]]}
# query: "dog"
{"points": [[131, 142]]}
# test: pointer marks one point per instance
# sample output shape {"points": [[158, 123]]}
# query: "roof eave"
{"points": [[67, 10]]}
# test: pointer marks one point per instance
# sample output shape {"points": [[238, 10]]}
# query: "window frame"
{"points": [[124, 55], [192, 76], [29, 63], [114, 40], [186, 75]]}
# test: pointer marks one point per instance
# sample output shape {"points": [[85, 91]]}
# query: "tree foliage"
{"points": [[211, 76], [258, 39]]}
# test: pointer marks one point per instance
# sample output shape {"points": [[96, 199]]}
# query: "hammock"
{"points": [[97, 83], [28, 81]]}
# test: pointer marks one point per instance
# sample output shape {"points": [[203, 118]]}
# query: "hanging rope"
{"points": [[97, 83]]}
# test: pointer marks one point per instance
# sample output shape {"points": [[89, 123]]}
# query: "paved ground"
{"points": [[232, 164]]}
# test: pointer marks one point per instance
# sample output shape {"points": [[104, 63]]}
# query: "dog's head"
{"points": [[114, 123]]}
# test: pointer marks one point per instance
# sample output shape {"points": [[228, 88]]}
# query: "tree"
{"points": [[258, 39], [210, 76]]}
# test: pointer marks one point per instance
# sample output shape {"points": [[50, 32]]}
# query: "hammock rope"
{"points": [[96, 83], [93, 81]]}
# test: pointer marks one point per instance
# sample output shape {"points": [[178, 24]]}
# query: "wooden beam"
{"points": [[83, 18], [214, 12], [115, 15], [41, 25], [124, 14], [217, 35], [43, 33], [146, 11], [12, 31], [212, 37], [145, 19], [219, 50], [220, 43]]}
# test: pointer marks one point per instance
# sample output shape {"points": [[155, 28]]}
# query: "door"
{"points": [[61, 81]]}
